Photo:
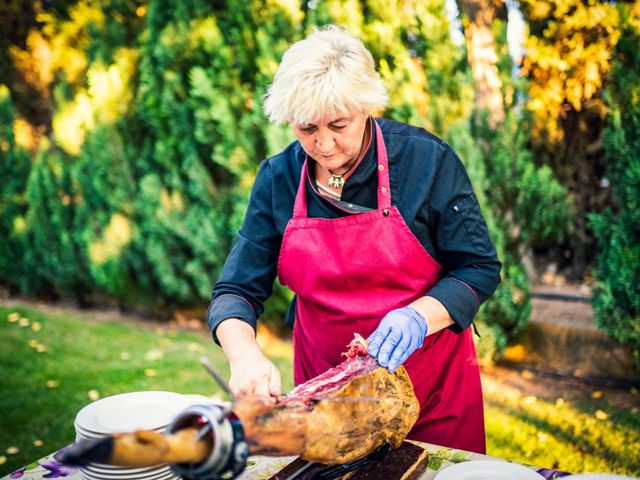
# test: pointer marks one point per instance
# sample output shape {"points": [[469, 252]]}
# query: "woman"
{"points": [[374, 225]]}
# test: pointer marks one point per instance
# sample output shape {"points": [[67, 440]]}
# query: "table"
{"points": [[259, 467]]}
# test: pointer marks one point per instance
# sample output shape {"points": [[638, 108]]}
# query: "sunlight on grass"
{"points": [[560, 434]]}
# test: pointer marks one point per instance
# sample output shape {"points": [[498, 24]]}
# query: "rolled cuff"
{"points": [[229, 306], [460, 300]]}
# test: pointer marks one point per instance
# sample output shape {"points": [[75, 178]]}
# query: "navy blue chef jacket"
{"points": [[432, 191]]}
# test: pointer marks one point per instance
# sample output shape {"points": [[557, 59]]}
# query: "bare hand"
{"points": [[255, 375], [251, 372]]}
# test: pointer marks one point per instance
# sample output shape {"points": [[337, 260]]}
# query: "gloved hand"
{"points": [[400, 333]]}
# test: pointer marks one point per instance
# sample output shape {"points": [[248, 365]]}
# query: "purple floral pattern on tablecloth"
{"points": [[18, 473], [47, 467], [57, 470], [551, 474]]}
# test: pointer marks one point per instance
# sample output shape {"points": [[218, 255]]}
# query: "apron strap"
{"points": [[384, 190], [300, 205]]}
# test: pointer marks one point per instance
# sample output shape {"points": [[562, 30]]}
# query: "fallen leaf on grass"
{"points": [[125, 356], [526, 374], [53, 383], [150, 372], [600, 415], [24, 322], [13, 450], [195, 347], [36, 326], [3, 459], [38, 443], [13, 317], [153, 355], [37, 346], [93, 395], [543, 437], [596, 394]]}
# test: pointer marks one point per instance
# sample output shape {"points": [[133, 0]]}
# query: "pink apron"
{"points": [[348, 273]]}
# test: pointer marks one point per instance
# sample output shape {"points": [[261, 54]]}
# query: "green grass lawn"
{"points": [[41, 391], [52, 364]]}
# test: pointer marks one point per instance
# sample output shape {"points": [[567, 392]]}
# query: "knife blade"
{"points": [[346, 399]]}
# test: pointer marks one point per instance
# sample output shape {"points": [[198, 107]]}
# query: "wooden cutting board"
{"points": [[408, 462]]}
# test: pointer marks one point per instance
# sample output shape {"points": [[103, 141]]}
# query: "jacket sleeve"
{"points": [[250, 269], [470, 267]]}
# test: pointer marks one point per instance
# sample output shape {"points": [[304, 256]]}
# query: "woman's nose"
{"points": [[324, 141]]}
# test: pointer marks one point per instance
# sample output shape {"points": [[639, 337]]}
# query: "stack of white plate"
{"points": [[128, 412]]}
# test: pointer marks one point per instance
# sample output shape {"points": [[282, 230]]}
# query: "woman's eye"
{"points": [[309, 129], [338, 127]]}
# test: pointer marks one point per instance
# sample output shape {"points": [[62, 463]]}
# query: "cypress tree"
{"points": [[14, 171]]}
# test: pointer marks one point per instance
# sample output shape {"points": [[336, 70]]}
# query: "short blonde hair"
{"points": [[324, 74]]}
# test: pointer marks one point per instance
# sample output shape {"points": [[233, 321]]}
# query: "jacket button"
{"points": [[385, 212]]}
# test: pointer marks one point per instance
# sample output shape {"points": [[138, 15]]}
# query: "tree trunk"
{"points": [[582, 164], [477, 19], [21, 68]]}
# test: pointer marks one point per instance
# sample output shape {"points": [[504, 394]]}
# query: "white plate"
{"points": [[83, 434], [111, 476], [112, 469], [90, 476], [160, 475], [131, 411], [487, 470], [152, 475]]}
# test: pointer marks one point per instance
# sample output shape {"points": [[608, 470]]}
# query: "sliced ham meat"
{"points": [[336, 417]]}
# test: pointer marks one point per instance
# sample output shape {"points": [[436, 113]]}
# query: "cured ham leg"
{"points": [[336, 417]]}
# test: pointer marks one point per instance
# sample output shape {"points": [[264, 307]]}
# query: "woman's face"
{"points": [[333, 142]]}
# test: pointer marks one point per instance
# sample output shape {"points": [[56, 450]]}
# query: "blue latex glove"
{"points": [[400, 333]]}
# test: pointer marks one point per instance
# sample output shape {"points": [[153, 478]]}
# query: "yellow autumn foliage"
{"points": [[116, 236], [567, 57]]}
